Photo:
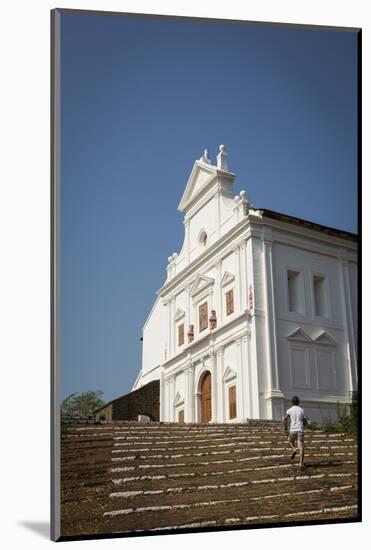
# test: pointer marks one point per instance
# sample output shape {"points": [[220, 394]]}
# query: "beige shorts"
{"points": [[297, 438]]}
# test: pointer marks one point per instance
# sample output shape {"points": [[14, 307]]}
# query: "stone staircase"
{"points": [[127, 477]]}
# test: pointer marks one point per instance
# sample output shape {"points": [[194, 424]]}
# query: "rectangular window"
{"points": [[319, 293], [229, 302], [202, 313], [181, 335], [293, 290], [232, 402]]}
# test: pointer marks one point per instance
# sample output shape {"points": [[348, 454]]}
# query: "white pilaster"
{"points": [[162, 396], [351, 356], [252, 342], [243, 275], [172, 396], [214, 397], [245, 367], [218, 293], [189, 311], [172, 327], [239, 396], [270, 314], [218, 210], [219, 383], [186, 230], [168, 307], [167, 401], [190, 414], [238, 278]]}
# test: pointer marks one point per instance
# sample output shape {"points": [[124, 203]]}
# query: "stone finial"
{"points": [[222, 159], [205, 157]]}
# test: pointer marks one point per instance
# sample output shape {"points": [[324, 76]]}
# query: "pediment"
{"points": [[202, 174], [325, 339], [200, 283], [178, 399], [227, 278], [179, 314], [229, 374], [299, 336]]}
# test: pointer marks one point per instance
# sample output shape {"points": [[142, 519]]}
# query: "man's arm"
{"points": [[286, 422]]}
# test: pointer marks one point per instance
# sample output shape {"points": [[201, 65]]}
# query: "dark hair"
{"points": [[295, 400]]}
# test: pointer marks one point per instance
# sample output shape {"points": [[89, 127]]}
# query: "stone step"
{"points": [[254, 453], [249, 478], [177, 428], [121, 448], [340, 511], [169, 436], [129, 476], [187, 428], [137, 479], [200, 475], [206, 507], [248, 494], [250, 487]]}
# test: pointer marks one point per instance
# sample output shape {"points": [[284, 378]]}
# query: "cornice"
{"points": [[278, 231], [199, 342], [307, 233]]}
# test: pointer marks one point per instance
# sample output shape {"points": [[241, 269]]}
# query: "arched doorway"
{"points": [[206, 398]]}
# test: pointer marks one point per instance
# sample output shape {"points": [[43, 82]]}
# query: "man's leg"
{"points": [[292, 441], [301, 449]]}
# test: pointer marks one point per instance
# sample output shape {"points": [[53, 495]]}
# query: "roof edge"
{"points": [[307, 223]]}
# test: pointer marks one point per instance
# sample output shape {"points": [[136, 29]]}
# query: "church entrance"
{"points": [[206, 398]]}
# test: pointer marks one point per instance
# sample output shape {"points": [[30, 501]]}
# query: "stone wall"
{"points": [[143, 401], [106, 412]]}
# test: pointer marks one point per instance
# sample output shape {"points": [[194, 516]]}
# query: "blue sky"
{"points": [[141, 99]]}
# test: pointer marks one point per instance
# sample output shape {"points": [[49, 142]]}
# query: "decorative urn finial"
{"points": [[251, 302], [222, 159], [190, 333], [212, 319]]}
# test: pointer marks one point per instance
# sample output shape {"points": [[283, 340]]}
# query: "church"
{"points": [[257, 306]]}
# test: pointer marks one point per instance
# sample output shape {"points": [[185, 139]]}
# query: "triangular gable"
{"points": [[325, 339], [229, 374], [178, 399], [179, 314], [200, 283], [299, 336], [202, 174], [227, 278]]}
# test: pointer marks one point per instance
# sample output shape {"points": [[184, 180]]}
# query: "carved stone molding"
{"points": [[219, 351]]}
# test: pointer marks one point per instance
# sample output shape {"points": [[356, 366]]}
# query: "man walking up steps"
{"points": [[295, 420]]}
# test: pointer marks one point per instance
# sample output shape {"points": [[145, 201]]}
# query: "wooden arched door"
{"points": [[206, 398]]}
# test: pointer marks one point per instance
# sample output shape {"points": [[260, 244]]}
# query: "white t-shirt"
{"points": [[296, 415]]}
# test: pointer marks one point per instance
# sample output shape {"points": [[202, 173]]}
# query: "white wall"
{"points": [[307, 368], [154, 339], [353, 293], [204, 219]]}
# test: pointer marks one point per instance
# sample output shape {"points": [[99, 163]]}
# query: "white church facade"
{"points": [[256, 307]]}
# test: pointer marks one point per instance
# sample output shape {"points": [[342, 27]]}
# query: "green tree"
{"points": [[82, 404]]}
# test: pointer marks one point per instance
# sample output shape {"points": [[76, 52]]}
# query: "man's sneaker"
{"points": [[293, 455], [302, 468]]}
